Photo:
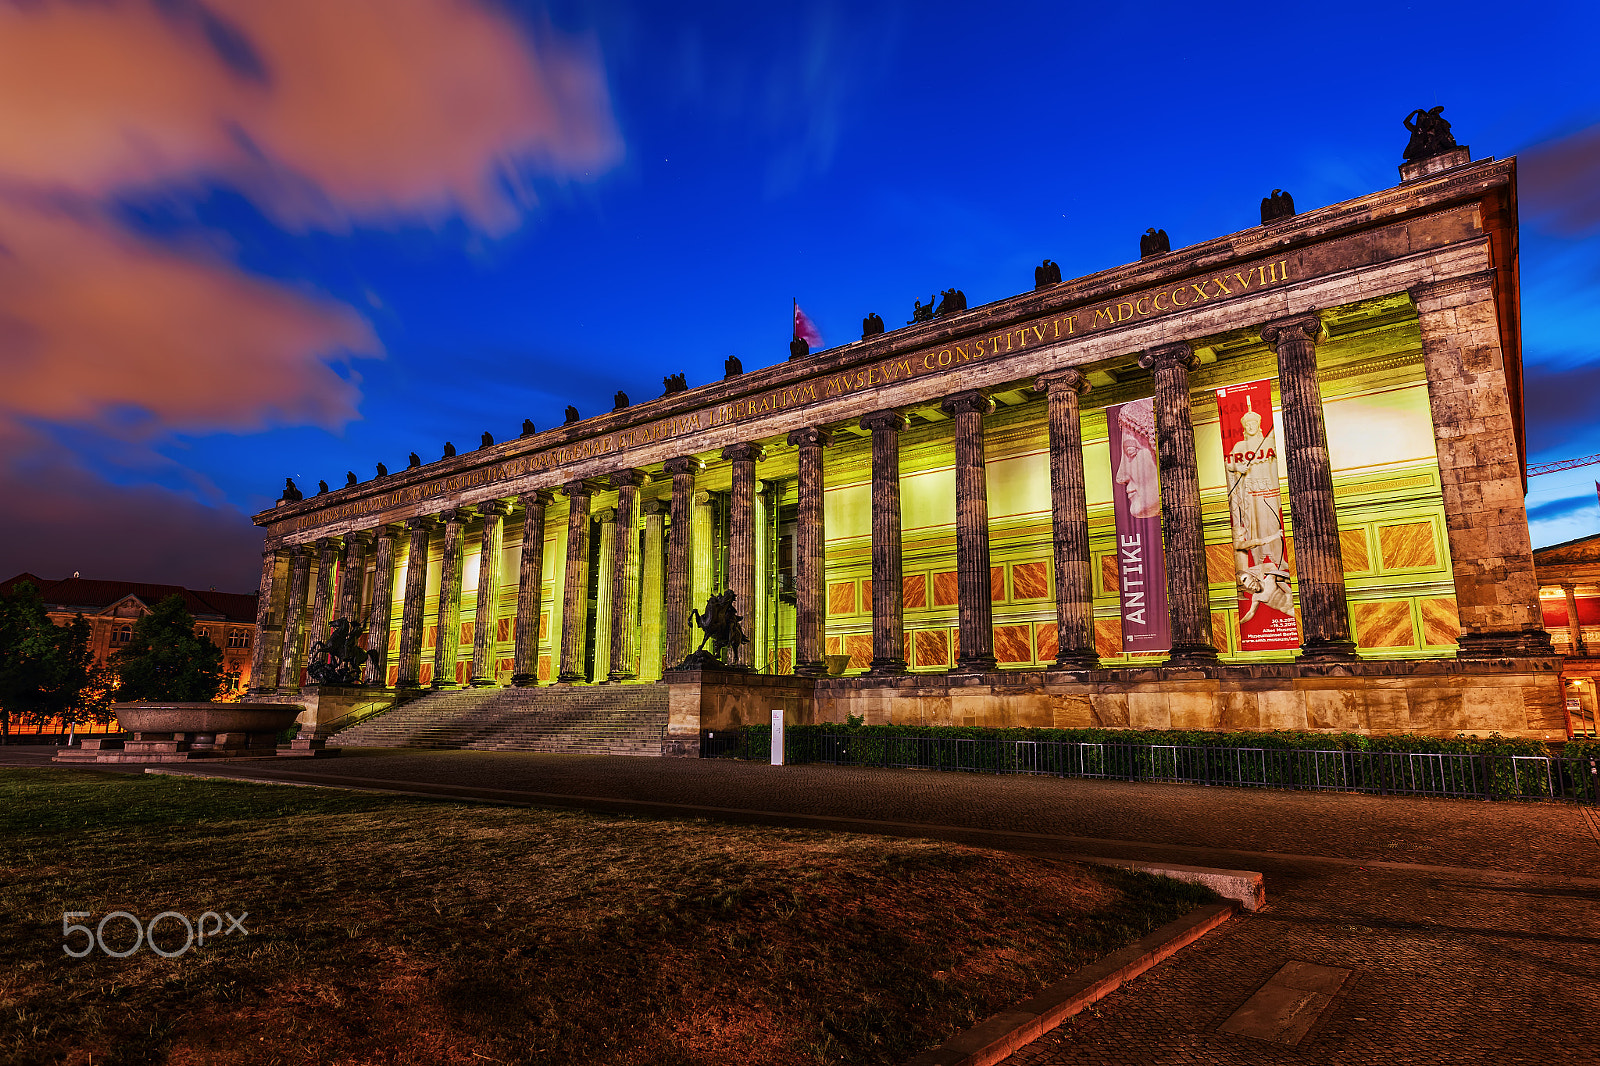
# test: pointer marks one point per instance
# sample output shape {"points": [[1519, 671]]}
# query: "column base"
{"points": [[567, 678], [481, 682], [1328, 651], [620, 675], [1076, 660], [1183, 654], [976, 664], [1505, 644], [886, 668], [524, 680], [816, 669]]}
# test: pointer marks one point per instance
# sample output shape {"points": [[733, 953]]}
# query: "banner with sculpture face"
{"points": [[1136, 502], [1260, 553]]}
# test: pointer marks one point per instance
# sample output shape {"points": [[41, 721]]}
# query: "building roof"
{"points": [[90, 595]]}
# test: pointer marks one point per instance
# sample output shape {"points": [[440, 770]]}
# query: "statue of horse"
{"points": [[720, 625]]}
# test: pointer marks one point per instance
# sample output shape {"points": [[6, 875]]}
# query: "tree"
{"points": [[38, 679], [167, 660]]}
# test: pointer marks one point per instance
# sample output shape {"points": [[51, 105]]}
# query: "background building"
{"points": [[1569, 593]]}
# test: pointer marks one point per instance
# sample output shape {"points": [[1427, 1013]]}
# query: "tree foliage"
{"points": [[167, 659], [46, 671]]}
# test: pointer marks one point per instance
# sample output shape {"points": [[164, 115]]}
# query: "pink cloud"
{"points": [[1560, 182]]}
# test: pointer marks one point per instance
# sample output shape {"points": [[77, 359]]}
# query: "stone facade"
{"points": [[927, 511]]}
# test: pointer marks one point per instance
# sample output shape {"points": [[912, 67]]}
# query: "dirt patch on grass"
{"points": [[385, 930]]}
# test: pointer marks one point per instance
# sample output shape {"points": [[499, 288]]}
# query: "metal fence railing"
{"points": [[1442, 774]]}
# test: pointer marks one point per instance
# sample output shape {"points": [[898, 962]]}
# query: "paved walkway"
{"points": [[1470, 928]]}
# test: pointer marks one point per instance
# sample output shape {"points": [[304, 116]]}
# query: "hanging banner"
{"points": [[1250, 456], [1136, 502]]}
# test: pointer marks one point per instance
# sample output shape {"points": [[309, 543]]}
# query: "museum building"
{"points": [[1271, 480]]}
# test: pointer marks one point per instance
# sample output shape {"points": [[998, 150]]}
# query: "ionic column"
{"points": [[624, 662], [888, 595], [269, 605], [379, 618], [651, 580], [575, 591], [811, 608], [680, 581], [975, 610], [1318, 559], [1188, 597], [353, 575], [742, 533], [484, 619], [448, 647], [604, 592], [1480, 469], [324, 595], [1069, 521], [411, 607], [530, 589], [1574, 627], [294, 619], [703, 577]]}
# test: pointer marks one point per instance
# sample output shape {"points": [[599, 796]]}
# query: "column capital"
{"points": [[879, 420], [582, 487], [1308, 324], [365, 536], [744, 453], [972, 400], [422, 522], [605, 514], [1167, 356], [302, 551], [490, 508], [702, 498], [388, 529], [630, 477], [811, 436], [657, 505], [329, 543], [684, 464], [457, 516], [1068, 380], [537, 498]]}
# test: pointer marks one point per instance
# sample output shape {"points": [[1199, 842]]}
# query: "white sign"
{"points": [[777, 738]]}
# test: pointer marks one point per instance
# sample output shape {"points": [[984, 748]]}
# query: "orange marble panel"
{"points": [[914, 592], [1220, 632], [394, 675], [1012, 644], [931, 647], [506, 666], [504, 629], [1384, 625], [945, 590], [842, 597], [1108, 637], [1407, 545], [461, 672], [1441, 621], [425, 675], [1049, 644], [1353, 546], [544, 626], [1030, 581], [997, 584], [1220, 566], [955, 644], [544, 668], [1108, 575], [866, 596], [831, 646], [431, 638], [859, 647], [783, 661], [468, 631], [1288, 553], [394, 641], [905, 644]]}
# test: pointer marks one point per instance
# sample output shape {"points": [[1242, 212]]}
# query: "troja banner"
{"points": [[1261, 567], [1136, 502]]}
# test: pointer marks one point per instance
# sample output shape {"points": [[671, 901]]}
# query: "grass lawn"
{"points": [[390, 930]]}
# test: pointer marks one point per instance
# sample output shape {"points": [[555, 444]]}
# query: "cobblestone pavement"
{"points": [[1470, 928]]}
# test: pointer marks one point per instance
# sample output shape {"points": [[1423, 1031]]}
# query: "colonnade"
{"points": [[623, 636]]}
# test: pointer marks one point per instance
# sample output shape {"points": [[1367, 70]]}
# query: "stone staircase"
{"points": [[577, 719]]}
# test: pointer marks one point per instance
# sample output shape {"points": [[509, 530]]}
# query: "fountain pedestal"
{"points": [[183, 732]]}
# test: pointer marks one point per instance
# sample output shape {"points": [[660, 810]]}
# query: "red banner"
{"points": [[1250, 456], [1136, 503]]}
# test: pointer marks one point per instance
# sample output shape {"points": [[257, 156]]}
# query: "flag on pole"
{"points": [[805, 329]]}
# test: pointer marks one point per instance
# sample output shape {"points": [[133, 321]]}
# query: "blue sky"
{"points": [[317, 241]]}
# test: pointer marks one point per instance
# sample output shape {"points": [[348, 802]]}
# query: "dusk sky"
{"points": [[242, 241]]}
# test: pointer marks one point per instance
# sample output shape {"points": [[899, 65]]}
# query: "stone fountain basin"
{"points": [[151, 717]]}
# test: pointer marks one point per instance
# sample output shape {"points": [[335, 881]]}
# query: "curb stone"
{"points": [[993, 1039]]}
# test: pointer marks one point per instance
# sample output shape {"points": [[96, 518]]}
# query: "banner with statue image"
{"points": [[1136, 503], [1260, 552]]}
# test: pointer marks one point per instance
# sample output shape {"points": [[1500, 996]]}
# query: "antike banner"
{"points": [[1250, 456], [1136, 502]]}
